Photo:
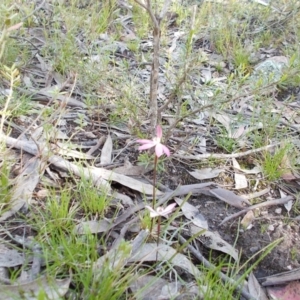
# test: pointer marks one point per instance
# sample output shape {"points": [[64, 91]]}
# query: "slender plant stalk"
{"points": [[156, 20], [153, 205], [154, 189], [158, 234], [154, 182]]}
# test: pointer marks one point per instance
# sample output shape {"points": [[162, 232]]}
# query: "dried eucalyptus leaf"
{"points": [[206, 173], [147, 252], [214, 241], [192, 213]]}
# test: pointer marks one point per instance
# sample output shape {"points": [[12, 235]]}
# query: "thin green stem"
{"points": [[154, 189], [154, 182], [158, 234]]}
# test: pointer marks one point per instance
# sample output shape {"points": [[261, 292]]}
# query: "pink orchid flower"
{"points": [[160, 149], [160, 211]]}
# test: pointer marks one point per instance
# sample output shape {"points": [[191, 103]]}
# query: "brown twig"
{"points": [[260, 205], [224, 156], [156, 19]]}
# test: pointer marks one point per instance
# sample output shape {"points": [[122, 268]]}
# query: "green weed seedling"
{"points": [[228, 144], [92, 199], [263, 228], [61, 210], [4, 183], [145, 159], [217, 289], [294, 253], [272, 163], [241, 59], [225, 142], [181, 12], [291, 77], [111, 279], [212, 287], [65, 251], [141, 20]]}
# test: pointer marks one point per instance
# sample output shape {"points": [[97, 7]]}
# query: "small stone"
{"points": [[271, 228], [276, 235], [249, 227], [278, 210], [254, 249]]}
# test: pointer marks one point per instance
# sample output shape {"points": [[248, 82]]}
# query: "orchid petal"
{"points": [[159, 150], [144, 141], [161, 211], [166, 150], [158, 131], [153, 213], [169, 208], [146, 146]]}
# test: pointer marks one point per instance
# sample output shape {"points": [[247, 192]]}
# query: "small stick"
{"points": [[224, 156], [156, 19], [264, 204]]}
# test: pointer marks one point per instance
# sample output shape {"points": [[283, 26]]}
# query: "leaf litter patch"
{"points": [[105, 147]]}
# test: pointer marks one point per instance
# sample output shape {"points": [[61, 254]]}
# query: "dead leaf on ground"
{"points": [[206, 173], [147, 252], [153, 288], [54, 134], [10, 257], [106, 153], [281, 278], [256, 194], [98, 175], [131, 170], [223, 119], [288, 205], [255, 289], [239, 179], [65, 100], [247, 219], [117, 257], [213, 240], [124, 180], [255, 170], [92, 226], [126, 200], [53, 289], [114, 259], [15, 27], [25, 184], [192, 213], [66, 150], [229, 197]]}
